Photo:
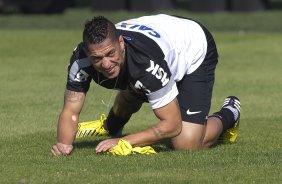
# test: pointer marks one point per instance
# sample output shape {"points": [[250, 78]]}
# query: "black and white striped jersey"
{"points": [[160, 50]]}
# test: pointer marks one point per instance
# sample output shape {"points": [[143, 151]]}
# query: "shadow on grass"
{"points": [[162, 146], [86, 143]]}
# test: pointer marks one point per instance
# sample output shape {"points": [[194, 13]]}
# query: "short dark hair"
{"points": [[98, 29]]}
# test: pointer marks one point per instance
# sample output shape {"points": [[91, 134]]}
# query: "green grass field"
{"points": [[34, 54]]}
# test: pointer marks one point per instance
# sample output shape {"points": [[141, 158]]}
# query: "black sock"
{"points": [[227, 118], [115, 123]]}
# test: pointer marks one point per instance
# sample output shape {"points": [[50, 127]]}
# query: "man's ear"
{"points": [[121, 42]]}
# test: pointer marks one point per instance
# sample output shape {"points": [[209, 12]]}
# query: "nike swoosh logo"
{"points": [[190, 112]]}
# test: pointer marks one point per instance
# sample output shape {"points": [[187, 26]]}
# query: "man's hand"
{"points": [[106, 145], [61, 149]]}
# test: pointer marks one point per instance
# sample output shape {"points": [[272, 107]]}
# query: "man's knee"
{"points": [[190, 138]]}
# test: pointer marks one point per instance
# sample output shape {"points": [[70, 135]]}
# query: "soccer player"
{"points": [[164, 60]]}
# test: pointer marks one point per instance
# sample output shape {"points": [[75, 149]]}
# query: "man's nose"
{"points": [[106, 63]]}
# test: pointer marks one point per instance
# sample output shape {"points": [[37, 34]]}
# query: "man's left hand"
{"points": [[107, 145]]}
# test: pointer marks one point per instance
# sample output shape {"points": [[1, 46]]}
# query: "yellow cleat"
{"points": [[230, 136], [92, 128]]}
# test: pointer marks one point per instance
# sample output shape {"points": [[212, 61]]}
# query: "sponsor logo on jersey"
{"points": [[158, 72], [141, 28], [139, 85], [127, 38], [81, 76]]}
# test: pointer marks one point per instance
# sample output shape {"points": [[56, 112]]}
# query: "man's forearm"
{"points": [[154, 134], [67, 128], [69, 117]]}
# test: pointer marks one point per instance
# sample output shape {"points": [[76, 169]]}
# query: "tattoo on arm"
{"points": [[72, 96], [158, 132]]}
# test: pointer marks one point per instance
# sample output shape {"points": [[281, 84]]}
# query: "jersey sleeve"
{"points": [[158, 84], [163, 96], [79, 71]]}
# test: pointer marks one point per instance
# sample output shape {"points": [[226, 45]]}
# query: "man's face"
{"points": [[107, 57]]}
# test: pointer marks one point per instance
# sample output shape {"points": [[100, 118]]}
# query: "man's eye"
{"points": [[95, 59], [112, 53]]}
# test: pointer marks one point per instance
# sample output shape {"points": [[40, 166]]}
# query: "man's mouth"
{"points": [[111, 69]]}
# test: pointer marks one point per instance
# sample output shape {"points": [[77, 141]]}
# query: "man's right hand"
{"points": [[61, 149]]}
